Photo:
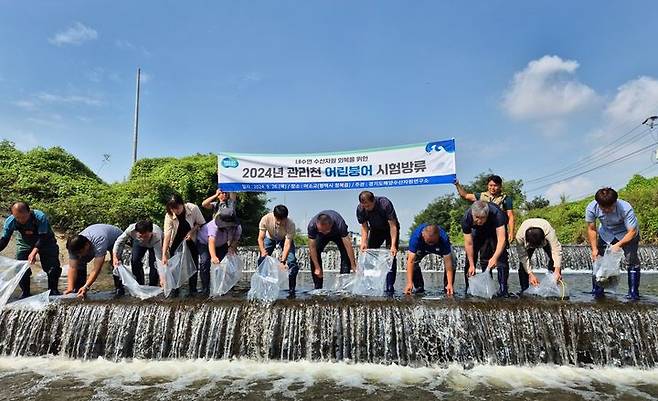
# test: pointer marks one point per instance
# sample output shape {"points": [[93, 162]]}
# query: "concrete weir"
{"points": [[408, 331]]}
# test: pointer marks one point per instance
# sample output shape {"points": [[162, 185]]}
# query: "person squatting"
{"points": [[487, 226]]}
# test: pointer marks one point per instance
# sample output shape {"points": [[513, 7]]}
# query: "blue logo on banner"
{"points": [[448, 146], [229, 162]]}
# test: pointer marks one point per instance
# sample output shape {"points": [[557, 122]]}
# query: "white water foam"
{"points": [[176, 375]]}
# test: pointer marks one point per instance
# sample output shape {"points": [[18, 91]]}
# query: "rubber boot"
{"points": [[205, 283], [52, 284], [292, 284], [524, 279], [417, 279], [25, 285], [118, 285], [192, 286], [597, 290], [502, 282], [633, 283], [317, 282], [390, 283]]}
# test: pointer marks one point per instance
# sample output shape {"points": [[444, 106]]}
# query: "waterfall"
{"points": [[405, 332]]}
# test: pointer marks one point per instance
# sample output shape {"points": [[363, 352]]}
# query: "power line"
{"points": [[619, 159], [586, 158], [647, 169], [605, 150]]}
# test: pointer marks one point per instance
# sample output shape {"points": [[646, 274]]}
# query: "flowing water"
{"points": [[333, 346]]}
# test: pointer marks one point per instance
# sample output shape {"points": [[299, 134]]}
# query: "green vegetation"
{"points": [[73, 196], [567, 218], [448, 210]]}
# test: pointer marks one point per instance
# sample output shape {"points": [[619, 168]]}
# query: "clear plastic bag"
{"points": [[372, 267], [265, 282], [134, 288], [41, 277], [179, 269], [606, 269], [343, 283], [549, 288], [225, 275], [11, 271], [483, 285], [35, 303]]}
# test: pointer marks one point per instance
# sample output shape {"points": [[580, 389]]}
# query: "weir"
{"points": [[412, 332], [574, 257]]}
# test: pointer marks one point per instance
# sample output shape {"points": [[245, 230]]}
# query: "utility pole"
{"points": [[136, 128]]}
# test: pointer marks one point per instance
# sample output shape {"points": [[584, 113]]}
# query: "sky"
{"points": [[541, 89]]}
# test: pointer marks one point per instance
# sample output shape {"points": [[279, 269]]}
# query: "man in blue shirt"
{"points": [[483, 226], [35, 237], [424, 240], [618, 229]]}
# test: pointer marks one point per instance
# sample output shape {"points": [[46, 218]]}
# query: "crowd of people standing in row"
{"points": [[488, 227]]}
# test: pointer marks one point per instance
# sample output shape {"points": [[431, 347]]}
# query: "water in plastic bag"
{"points": [[225, 275], [483, 285], [343, 283], [372, 267], [41, 277], [265, 282], [606, 269], [11, 271], [35, 303], [134, 288], [283, 273], [549, 288], [179, 269]]}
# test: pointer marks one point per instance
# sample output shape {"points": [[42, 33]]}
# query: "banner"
{"points": [[419, 164]]}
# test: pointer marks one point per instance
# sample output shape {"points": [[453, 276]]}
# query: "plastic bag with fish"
{"points": [[179, 269], [372, 267], [134, 288], [11, 271], [483, 285], [265, 282], [225, 275], [549, 288], [606, 269]]}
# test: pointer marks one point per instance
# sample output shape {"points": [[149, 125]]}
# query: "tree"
{"points": [[448, 210], [537, 202], [563, 198], [74, 197]]}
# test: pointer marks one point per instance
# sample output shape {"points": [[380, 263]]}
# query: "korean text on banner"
{"points": [[420, 164]]}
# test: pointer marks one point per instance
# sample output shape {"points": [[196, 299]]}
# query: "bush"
{"points": [[73, 196]]}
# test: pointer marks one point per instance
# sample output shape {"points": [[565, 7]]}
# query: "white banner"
{"points": [[419, 164]]}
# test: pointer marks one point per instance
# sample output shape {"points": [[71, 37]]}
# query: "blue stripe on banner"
{"points": [[329, 185]]}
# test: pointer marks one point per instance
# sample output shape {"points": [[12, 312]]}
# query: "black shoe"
{"points": [[420, 290], [55, 292], [119, 292], [390, 291], [25, 295]]}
